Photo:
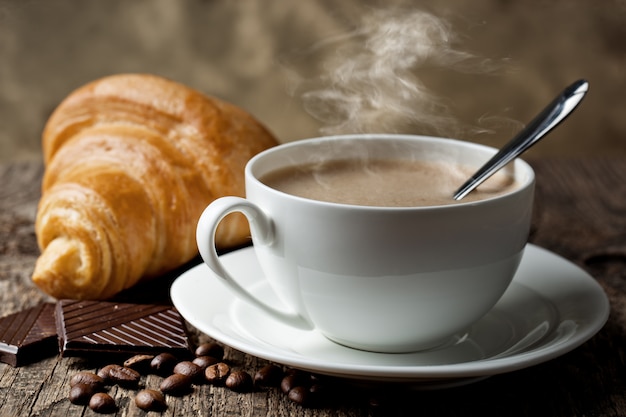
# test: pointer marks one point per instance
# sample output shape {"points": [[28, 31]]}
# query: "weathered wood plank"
{"points": [[580, 214]]}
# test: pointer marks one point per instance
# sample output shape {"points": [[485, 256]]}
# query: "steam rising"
{"points": [[372, 82]]}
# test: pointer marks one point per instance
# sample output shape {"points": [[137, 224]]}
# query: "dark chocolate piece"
{"points": [[86, 327], [28, 336]]}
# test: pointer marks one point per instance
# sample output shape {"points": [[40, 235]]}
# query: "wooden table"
{"points": [[580, 214]]}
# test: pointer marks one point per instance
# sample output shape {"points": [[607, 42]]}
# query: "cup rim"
{"points": [[528, 179]]}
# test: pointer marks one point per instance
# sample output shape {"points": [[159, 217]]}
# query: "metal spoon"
{"points": [[544, 122]]}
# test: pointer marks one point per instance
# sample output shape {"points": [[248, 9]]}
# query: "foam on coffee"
{"points": [[383, 182]]}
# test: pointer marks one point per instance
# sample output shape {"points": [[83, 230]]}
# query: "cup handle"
{"points": [[262, 229]]}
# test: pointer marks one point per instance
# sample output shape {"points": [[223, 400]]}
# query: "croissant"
{"points": [[131, 161]]}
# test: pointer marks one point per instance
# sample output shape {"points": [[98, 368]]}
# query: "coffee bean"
{"points": [[150, 400], [268, 376], [217, 373], [176, 384], [89, 378], [140, 363], [163, 363], [300, 395], [205, 361], [239, 381], [210, 349], [124, 377], [101, 402], [292, 380], [104, 373], [190, 369], [81, 393]]}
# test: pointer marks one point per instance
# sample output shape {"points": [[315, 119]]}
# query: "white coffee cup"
{"points": [[385, 279]]}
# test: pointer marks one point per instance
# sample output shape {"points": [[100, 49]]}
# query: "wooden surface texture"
{"points": [[580, 214]]}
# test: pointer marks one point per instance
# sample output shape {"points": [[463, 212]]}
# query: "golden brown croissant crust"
{"points": [[131, 162]]}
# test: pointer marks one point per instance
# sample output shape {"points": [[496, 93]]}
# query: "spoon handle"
{"points": [[544, 122]]}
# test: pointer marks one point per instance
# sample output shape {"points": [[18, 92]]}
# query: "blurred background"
{"points": [[502, 61]]}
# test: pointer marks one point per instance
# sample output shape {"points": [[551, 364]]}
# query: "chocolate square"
{"points": [[92, 327], [28, 335]]}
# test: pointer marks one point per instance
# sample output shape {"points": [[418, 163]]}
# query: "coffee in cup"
{"points": [[370, 276], [383, 182]]}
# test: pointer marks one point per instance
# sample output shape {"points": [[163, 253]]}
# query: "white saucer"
{"points": [[551, 307]]}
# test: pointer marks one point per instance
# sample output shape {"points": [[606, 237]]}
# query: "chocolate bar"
{"points": [[28, 335], [92, 327]]}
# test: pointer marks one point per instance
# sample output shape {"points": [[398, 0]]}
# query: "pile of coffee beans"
{"points": [[180, 376]]}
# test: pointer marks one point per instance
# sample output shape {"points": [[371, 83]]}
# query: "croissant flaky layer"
{"points": [[131, 162]]}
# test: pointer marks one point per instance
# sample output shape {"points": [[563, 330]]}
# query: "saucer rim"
{"points": [[471, 369]]}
